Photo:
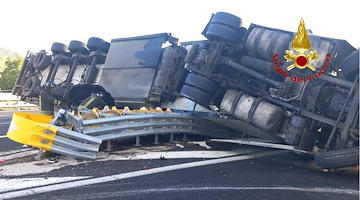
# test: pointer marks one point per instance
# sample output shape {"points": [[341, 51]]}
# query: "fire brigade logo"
{"points": [[301, 44]]}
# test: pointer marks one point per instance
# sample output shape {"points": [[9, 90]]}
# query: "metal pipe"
{"points": [[73, 67], [320, 118], [298, 96], [262, 144], [231, 63], [341, 113], [56, 67], [339, 82], [92, 70], [282, 103]]}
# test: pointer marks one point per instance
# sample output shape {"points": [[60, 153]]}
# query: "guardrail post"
{"points": [[156, 139], [137, 143], [172, 137], [39, 155], [108, 146]]}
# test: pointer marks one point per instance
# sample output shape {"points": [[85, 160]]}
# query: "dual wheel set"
{"points": [[42, 60], [221, 27]]}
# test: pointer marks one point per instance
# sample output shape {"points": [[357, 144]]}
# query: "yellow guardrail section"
{"points": [[32, 129]]}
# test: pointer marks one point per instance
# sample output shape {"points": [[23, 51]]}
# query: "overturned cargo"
{"points": [[299, 92]]}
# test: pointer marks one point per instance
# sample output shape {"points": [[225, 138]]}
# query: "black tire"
{"points": [[223, 32], [95, 44], [31, 59], [78, 47], [41, 61], [350, 65], [196, 95], [202, 83], [338, 158], [30, 85], [227, 19], [59, 48]]}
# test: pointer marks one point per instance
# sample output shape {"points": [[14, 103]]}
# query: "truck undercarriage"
{"points": [[235, 79]]}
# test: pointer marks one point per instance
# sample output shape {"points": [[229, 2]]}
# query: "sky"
{"points": [[32, 25]]}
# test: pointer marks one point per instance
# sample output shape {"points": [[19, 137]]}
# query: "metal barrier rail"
{"points": [[121, 127], [37, 131], [84, 141]]}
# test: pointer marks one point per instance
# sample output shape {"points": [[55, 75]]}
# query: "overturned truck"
{"points": [[292, 88]]}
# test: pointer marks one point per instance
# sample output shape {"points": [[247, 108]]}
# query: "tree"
{"points": [[4, 54], [11, 72]]}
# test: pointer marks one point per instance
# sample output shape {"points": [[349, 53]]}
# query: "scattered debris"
{"points": [[179, 145], [146, 168], [162, 157], [2, 161], [53, 160], [201, 143]]}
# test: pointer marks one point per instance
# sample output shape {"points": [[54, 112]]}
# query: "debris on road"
{"points": [[201, 143], [52, 160], [179, 145]]}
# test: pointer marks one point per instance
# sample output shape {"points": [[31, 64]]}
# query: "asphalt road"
{"points": [[182, 171], [5, 143]]}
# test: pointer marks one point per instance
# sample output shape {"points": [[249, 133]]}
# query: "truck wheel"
{"points": [[59, 48], [223, 32], [350, 65], [227, 19], [202, 83], [42, 61], [30, 85], [78, 47], [196, 95], [338, 158], [95, 43]]}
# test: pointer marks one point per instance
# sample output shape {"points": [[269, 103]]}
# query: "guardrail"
{"points": [[84, 138]]}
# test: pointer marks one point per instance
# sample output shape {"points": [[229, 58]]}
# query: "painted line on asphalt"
{"points": [[3, 136], [91, 181], [5, 123], [127, 155], [113, 194], [24, 183]]}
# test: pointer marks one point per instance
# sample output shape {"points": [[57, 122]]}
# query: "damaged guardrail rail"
{"points": [[86, 135], [35, 130]]}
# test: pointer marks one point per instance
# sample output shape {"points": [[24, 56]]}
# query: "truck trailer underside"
{"points": [[217, 88]]}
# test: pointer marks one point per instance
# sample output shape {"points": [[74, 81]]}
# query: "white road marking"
{"points": [[173, 155], [3, 136], [7, 185], [154, 152], [91, 181], [4, 123], [175, 190]]}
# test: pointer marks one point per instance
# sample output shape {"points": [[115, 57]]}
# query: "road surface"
{"points": [[179, 170]]}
